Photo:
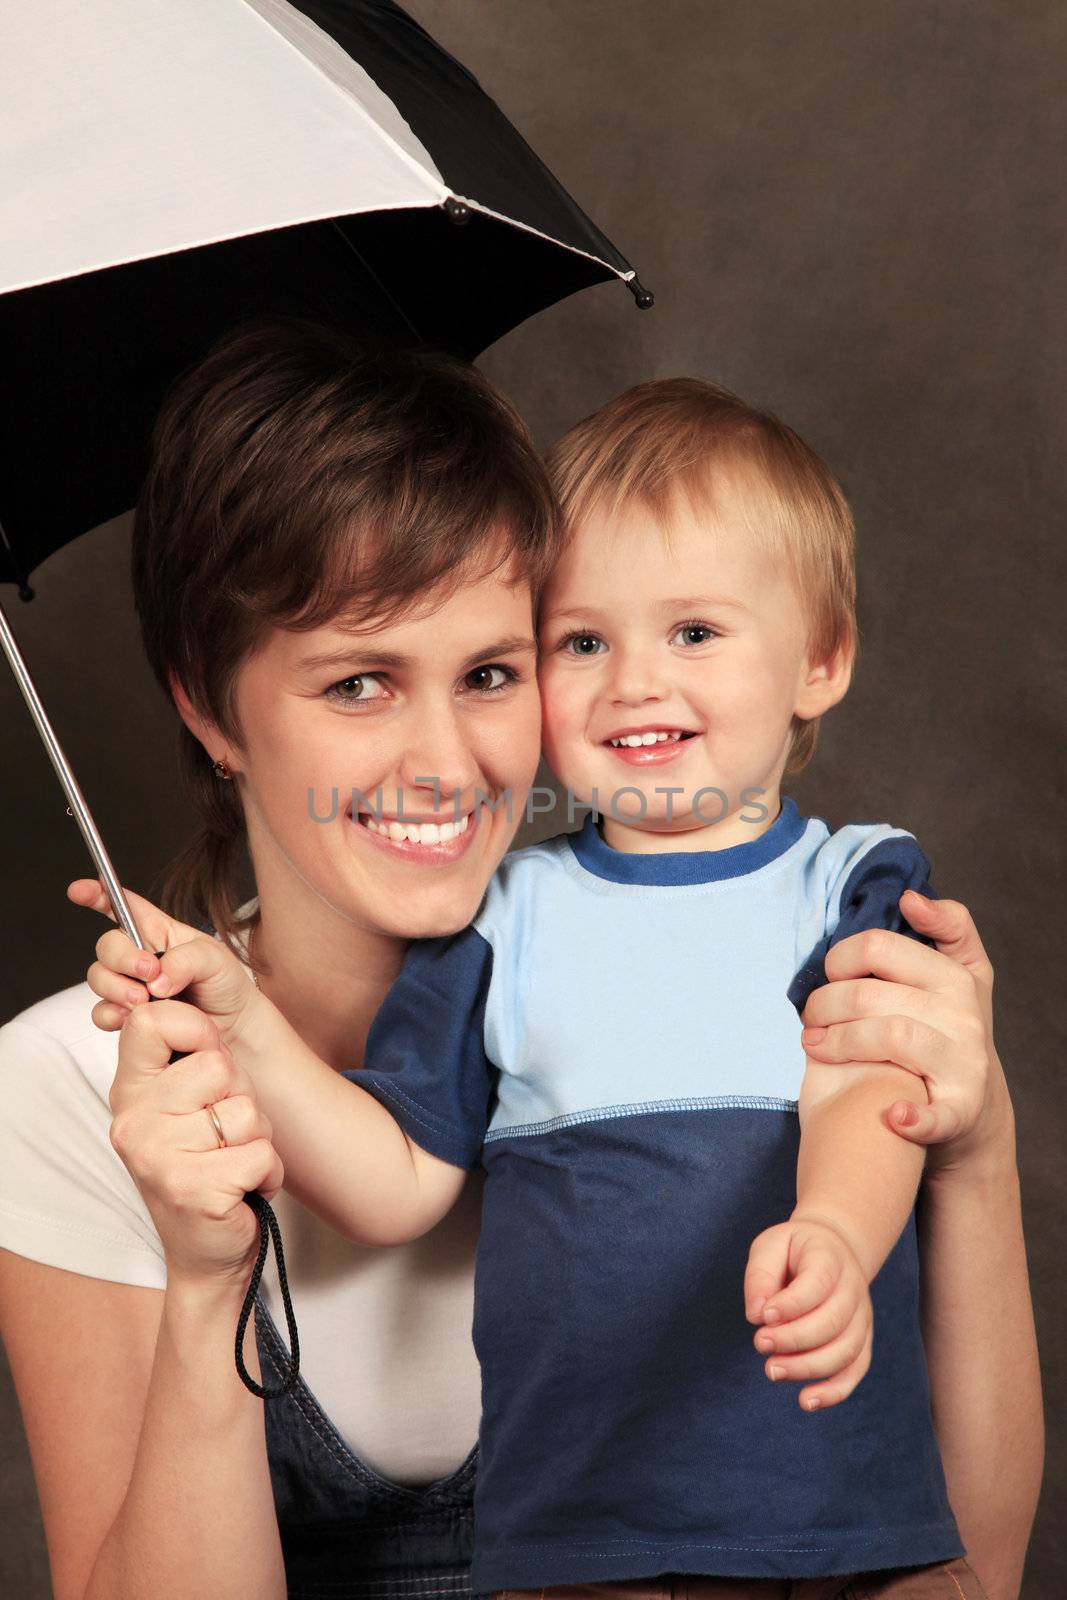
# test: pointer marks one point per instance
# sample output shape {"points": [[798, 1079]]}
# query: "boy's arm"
{"points": [[807, 1280], [853, 1172], [344, 1155]]}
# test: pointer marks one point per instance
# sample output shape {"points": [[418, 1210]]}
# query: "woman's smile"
{"points": [[423, 841]]}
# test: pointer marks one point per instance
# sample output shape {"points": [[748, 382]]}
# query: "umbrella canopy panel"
{"points": [[139, 127], [177, 166]]}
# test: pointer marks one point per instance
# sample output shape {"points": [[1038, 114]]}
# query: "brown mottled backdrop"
{"points": [[854, 214]]}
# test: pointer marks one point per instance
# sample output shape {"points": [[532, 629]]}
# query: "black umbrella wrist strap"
{"points": [[269, 1233]]}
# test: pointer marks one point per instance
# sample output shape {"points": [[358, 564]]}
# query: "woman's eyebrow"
{"points": [[369, 656], [521, 643]]}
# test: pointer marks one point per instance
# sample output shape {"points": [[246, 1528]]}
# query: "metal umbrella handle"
{"points": [[75, 799], [268, 1223]]}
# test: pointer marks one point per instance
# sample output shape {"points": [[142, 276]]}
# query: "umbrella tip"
{"points": [[456, 211], [644, 297]]}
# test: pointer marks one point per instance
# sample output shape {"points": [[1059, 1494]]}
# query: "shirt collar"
{"points": [[687, 866]]}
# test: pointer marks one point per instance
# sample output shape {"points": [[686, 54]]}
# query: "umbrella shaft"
{"points": [[75, 799]]}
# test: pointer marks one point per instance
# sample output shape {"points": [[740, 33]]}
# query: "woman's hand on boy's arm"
{"points": [[890, 999]]}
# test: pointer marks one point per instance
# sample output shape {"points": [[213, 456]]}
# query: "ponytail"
{"points": [[205, 882]]}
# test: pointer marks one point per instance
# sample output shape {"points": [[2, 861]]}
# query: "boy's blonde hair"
{"points": [[676, 436]]}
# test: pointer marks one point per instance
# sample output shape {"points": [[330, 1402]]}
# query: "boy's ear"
{"points": [[824, 683]]}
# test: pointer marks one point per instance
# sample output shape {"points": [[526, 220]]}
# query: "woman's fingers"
{"points": [[952, 926], [245, 1168], [905, 1041], [150, 1034], [881, 953], [936, 1123]]}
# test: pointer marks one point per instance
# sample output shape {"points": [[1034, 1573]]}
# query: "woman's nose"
{"points": [[439, 766]]}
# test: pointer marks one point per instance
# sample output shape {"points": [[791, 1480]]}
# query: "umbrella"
{"points": [[173, 167]]}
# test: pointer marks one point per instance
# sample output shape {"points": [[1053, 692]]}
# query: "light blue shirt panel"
{"points": [[611, 997], [608, 996]]}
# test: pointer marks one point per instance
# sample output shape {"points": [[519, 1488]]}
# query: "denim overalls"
{"points": [[346, 1533]]}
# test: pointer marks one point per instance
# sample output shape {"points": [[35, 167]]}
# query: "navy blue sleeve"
{"points": [[426, 1059], [869, 898]]}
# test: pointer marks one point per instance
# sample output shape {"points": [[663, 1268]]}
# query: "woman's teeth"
{"points": [[418, 832], [632, 740]]}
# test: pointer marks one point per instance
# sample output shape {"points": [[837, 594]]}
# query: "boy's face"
{"points": [[697, 643]]}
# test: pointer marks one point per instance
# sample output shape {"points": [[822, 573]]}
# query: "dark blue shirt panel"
{"points": [[426, 1061], [869, 899]]}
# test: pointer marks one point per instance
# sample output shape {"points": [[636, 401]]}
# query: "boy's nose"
{"points": [[636, 682]]}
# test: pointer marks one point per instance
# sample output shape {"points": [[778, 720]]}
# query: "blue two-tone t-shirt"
{"points": [[616, 1040]]}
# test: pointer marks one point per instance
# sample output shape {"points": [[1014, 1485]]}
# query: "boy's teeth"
{"points": [[420, 832], [632, 740]]}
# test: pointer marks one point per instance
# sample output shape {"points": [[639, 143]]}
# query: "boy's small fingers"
{"points": [[109, 1017], [765, 1273], [816, 1277], [110, 985], [826, 1323], [823, 1360], [831, 1391], [89, 893], [116, 950]]}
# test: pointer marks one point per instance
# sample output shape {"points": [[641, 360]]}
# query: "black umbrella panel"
{"points": [[334, 164]]}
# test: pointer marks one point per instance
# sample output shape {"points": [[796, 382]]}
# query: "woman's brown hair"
{"points": [[296, 479]]}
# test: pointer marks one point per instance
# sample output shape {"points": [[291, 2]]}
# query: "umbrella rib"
{"points": [[550, 238], [369, 270]]}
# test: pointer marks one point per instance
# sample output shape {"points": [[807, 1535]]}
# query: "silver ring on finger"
{"points": [[217, 1125]]}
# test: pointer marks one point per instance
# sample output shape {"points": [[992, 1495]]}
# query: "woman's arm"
{"points": [[981, 1350], [931, 1012], [148, 1452]]}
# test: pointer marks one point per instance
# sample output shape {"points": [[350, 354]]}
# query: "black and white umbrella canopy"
{"points": [[173, 167]]}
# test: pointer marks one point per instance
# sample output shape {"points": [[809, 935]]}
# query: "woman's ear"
{"points": [[823, 683], [213, 741]]}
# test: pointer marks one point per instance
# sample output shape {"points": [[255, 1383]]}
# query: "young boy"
{"points": [[616, 1040]]}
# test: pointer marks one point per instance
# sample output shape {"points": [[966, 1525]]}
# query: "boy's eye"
{"points": [[583, 644], [487, 679], [356, 690], [691, 633]]}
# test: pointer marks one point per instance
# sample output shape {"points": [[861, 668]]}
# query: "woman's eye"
{"points": [[583, 644], [484, 680], [356, 690], [691, 633]]}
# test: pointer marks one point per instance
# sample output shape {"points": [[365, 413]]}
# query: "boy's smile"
{"points": [[674, 659]]}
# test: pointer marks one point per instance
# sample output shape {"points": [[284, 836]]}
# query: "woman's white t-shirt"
{"points": [[384, 1333]]}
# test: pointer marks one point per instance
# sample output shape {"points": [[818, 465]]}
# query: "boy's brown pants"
{"points": [[948, 1580]]}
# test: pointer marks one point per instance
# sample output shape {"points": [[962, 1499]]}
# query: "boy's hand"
{"points": [[204, 970], [804, 1284]]}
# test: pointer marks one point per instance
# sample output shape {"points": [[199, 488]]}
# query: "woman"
{"points": [[288, 480]]}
